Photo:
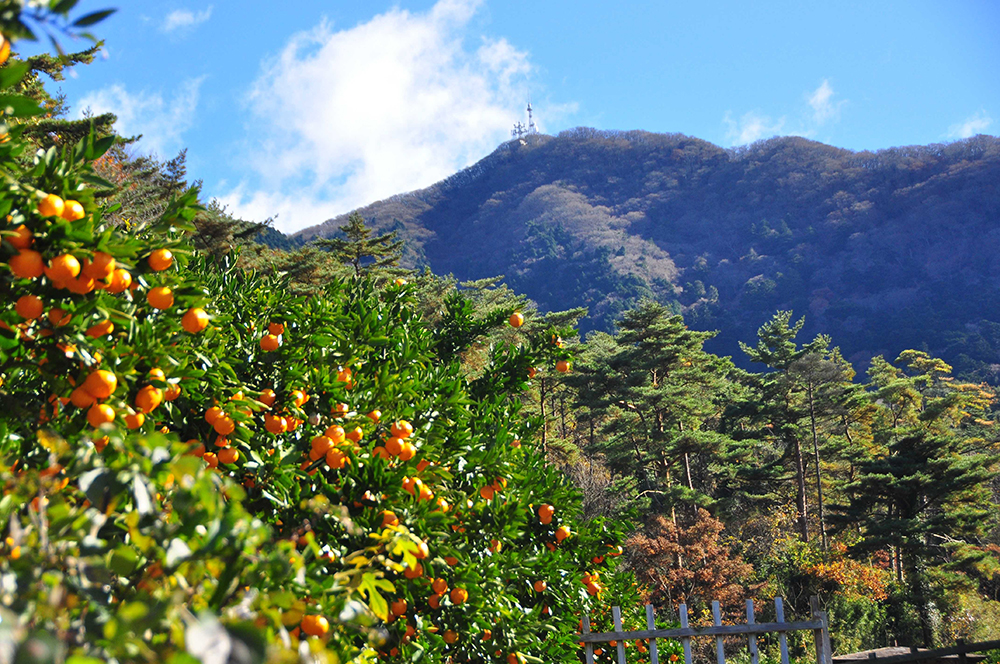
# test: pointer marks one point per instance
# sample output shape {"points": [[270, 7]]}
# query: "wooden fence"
{"points": [[818, 624]]}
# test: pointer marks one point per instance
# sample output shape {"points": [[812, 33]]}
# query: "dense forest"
{"points": [[883, 250]]}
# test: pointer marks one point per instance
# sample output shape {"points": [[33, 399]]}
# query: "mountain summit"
{"points": [[881, 250]]}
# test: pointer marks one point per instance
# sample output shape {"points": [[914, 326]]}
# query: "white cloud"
{"points": [[185, 18], [751, 126], [977, 123], [161, 123], [341, 118], [823, 106]]}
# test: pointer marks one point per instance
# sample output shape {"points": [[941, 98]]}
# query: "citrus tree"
{"points": [[199, 466]]}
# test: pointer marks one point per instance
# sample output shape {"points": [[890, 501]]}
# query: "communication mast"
{"points": [[520, 131]]}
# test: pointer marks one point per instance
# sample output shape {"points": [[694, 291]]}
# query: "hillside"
{"points": [[881, 250]]}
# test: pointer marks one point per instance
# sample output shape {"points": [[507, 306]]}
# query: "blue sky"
{"points": [[307, 109]]}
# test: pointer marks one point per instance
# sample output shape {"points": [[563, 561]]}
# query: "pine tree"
{"points": [[364, 253]]}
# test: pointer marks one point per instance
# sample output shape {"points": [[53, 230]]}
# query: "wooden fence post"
{"points": [[685, 640], [651, 625], [588, 647], [754, 655], [616, 614], [779, 614], [720, 649], [824, 653]]}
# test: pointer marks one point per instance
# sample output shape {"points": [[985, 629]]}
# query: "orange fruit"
{"points": [[156, 374], [516, 444], [562, 532], [402, 429], [160, 259], [134, 420], [148, 398], [211, 459], [321, 445], [393, 446], [23, 239], [440, 586], [277, 329], [160, 297], [516, 319], [458, 596], [336, 434], [545, 513], [380, 452], [58, 317], [407, 452], [101, 384], [267, 397], [104, 328], [212, 414], [434, 601], [374, 416], [451, 560], [120, 281], [389, 519], [336, 459], [29, 307], [51, 206], [315, 625], [398, 606], [487, 493], [355, 435], [228, 455], [540, 586], [72, 210], [275, 424], [194, 320], [414, 572], [224, 425], [221, 441], [562, 366], [101, 267], [27, 264], [172, 392], [81, 285], [299, 398], [81, 398], [450, 636], [269, 342], [400, 281], [100, 413], [487, 635], [62, 268]]}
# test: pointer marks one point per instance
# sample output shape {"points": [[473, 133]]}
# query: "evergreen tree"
{"points": [[363, 252], [927, 497]]}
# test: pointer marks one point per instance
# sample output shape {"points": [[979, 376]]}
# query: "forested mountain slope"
{"points": [[881, 250]]}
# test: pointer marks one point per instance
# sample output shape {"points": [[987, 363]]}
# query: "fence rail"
{"points": [[819, 625]]}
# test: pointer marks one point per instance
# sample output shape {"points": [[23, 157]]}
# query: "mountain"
{"points": [[881, 250]]}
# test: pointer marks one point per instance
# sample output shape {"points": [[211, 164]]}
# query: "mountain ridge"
{"points": [[882, 250]]}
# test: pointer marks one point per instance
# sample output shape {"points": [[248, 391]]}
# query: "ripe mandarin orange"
{"points": [[148, 398], [101, 384], [160, 259], [27, 264], [194, 320], [104, 328], [100, 413], [161, 297], [72, 210], [516, 319], [23, 239], [228, 455], [269, 342], [120, 281], [62, 268], [29, 307], [51, 206]]}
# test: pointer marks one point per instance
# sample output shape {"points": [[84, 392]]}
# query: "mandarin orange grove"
{"points": [[198, 466]]}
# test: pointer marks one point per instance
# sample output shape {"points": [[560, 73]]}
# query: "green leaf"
{"points": [[92, 18], [123, 560], [13, 73], [19, 106]]}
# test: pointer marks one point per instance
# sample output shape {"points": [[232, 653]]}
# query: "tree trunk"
{"points": [[541, 402], [800, 477], [819, 476], [920, 594]]}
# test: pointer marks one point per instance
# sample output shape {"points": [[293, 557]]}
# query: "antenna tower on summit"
{"points": [[520, 131]]}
